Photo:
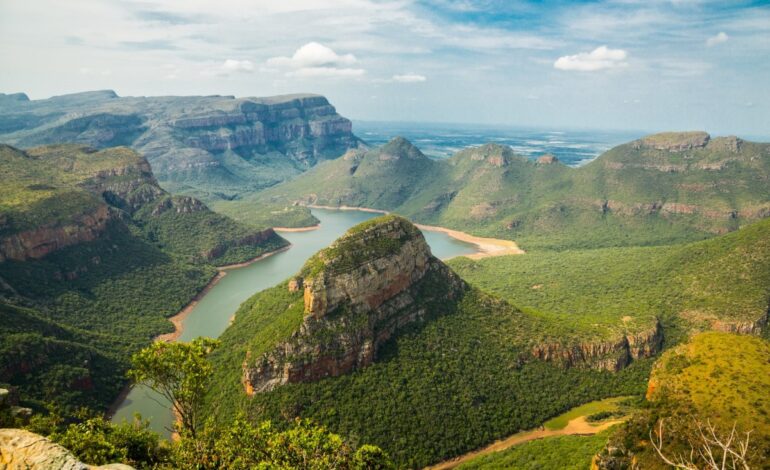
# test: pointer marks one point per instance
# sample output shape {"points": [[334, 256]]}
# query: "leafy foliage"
{"points": [[716, 378], [439, 389], [180, 372], [582, 294]]}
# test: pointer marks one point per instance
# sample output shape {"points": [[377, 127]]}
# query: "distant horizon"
{"points": [[488, 125], [596, 64]]}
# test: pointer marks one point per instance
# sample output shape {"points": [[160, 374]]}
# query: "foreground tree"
{"points": [[709, 449], [180, 372]]}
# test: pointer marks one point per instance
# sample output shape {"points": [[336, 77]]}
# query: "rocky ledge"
{"points": [[20, 449], [375, 280], [612, 355]]}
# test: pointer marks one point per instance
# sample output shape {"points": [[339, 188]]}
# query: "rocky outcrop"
{"points": [[612, 355], [673, 141], [20, 449], [357, 294], [546, 159], [493, 154], [43, 240]]}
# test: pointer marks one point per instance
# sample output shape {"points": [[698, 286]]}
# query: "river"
{"points": [[212, 313]]}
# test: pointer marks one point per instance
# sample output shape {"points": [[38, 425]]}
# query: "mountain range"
{"points": [[663, 188], [211, 147]]}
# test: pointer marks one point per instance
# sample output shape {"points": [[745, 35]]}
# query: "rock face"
{"points": [[208, 142], [612, 355], [357, 294], [546, 159], [37, 243], [20, 449], [674, 141]]}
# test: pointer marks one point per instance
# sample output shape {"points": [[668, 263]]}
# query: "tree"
{"points": [[708, 450], [180, 372]]}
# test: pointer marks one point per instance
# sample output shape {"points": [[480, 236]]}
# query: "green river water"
{"points": [[212, 314]]}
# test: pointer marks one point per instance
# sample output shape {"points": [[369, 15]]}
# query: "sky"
{"points": [[612, 64]]}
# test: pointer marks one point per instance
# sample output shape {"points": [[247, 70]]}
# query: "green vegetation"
{"points": [[181, 371], [608, 405], [125, 256], [261, 215], [716, 378], [562, 452], [357, 247], [605, 292], [630, 196], [439, 389]]}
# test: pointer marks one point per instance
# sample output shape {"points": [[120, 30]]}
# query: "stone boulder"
{"points": [[24, 450]]}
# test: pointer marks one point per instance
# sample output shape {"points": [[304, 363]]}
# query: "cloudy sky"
{"points": [[624, 64]]}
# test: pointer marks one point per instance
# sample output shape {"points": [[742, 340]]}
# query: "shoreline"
{"points": [[297, 229], [578, 426], [178, 319], [487, 247]]}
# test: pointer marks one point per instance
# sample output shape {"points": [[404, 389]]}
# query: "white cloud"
{"points": [[316, 60], [718, 39], [409, 78], [599, 59], [233, 65], [313, 54]]}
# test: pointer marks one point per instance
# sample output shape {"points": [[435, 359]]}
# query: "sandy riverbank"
{"points": [[487, 246], [577, 426], [178, 319]]}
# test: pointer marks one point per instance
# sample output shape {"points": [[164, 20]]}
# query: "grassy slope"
{"points": [[607, 291], [120, 287], [719, 377], [553, 206]]}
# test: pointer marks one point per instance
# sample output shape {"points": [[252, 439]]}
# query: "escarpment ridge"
{"points": [[209, 146]]}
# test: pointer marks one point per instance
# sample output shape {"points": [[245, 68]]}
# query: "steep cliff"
{"points": [[63, 195], [612, 354], [202, 145], [356, 295]]}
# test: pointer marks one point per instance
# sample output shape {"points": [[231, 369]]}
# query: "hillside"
{"points": [[605, 292], [662, 189], [211, 147], [98, 256], [380, 341], [715, 378]]}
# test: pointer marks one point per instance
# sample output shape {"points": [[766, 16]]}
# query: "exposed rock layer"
{"points": [[611, 355], [353, 307]]}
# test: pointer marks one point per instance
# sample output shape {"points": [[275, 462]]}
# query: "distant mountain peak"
{"points": [[493, 154], [400, 147]]}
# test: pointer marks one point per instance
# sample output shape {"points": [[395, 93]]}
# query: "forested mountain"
{"points": [[661, 189], [211, 147], [94, 256], [377, 339]]}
